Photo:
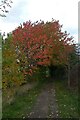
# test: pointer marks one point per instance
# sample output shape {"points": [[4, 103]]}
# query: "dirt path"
{"points": [[45, 106]]}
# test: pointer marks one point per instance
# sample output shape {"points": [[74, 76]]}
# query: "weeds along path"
{"points": [[45, 106]]}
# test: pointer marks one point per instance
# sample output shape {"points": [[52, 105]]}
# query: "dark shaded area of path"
{"points": [[45, 106]]}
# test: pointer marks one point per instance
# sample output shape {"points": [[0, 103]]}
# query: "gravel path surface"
{"points": [[45, 106]]}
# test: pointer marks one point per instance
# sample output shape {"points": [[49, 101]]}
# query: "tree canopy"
{"points": [[42, 44]]}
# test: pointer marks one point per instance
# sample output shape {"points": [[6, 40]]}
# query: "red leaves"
{"points": [[42, 42]]}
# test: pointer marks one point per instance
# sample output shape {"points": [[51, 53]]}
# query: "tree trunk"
{"points": [[68, 75]]}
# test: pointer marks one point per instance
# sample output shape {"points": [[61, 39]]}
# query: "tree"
{"points": [[3, 7], [42, 44], [12, 75]]}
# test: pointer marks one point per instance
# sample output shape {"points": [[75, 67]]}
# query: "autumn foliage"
{"points": [[11, 76], [41, 44]]}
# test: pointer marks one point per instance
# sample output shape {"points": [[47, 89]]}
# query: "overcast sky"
{"points": [[66, 11]]}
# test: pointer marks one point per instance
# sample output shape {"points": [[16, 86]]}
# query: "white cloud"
{"points": [[22, 10], [7, 27]]}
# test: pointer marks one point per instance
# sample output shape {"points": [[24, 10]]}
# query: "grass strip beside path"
{"points": [[67, 101], [22, 103]]}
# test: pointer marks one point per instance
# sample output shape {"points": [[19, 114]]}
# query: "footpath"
{"points": [[45, 106]]}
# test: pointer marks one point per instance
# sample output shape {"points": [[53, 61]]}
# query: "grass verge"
{"points": [[67, 101], [22, 103]]}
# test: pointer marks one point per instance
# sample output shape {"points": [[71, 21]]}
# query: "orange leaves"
{"points": [[43, 43]]}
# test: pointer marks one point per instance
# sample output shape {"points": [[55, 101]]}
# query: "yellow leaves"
{"points": [[11, 75]]}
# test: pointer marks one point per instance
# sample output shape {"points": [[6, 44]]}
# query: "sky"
{"points": [[66, 11]]}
